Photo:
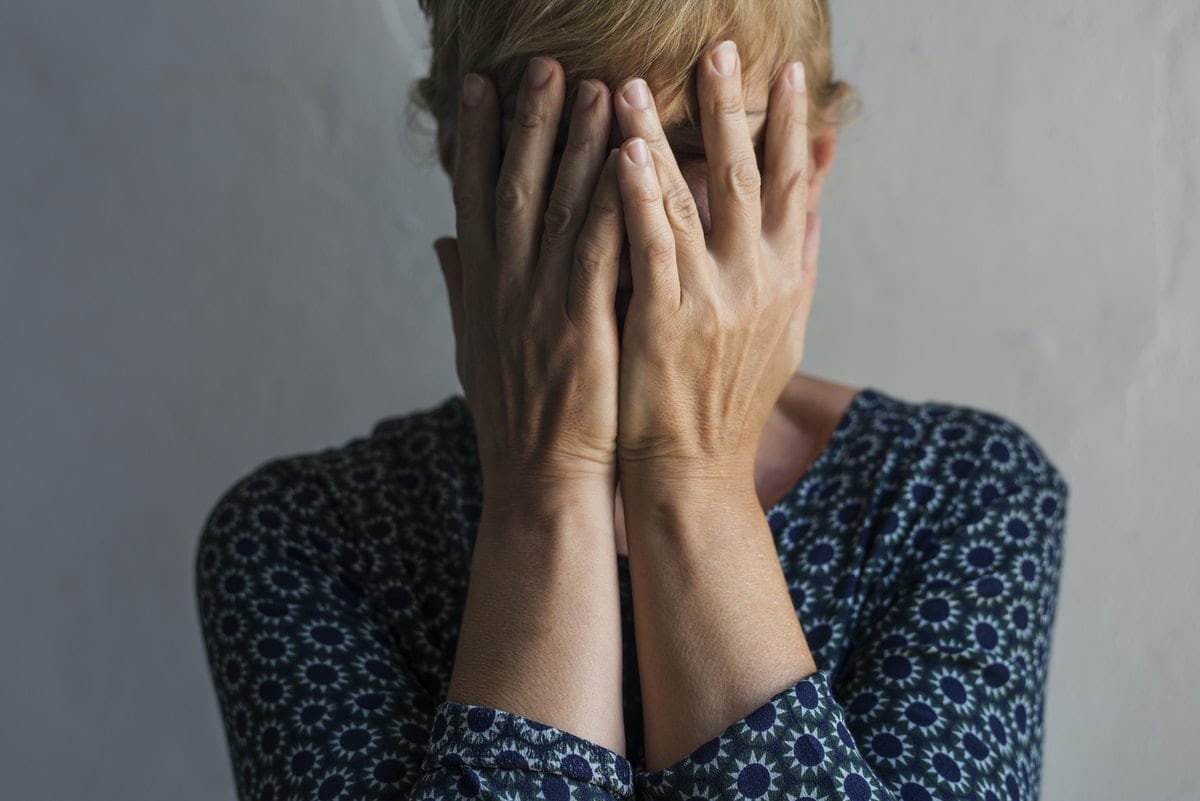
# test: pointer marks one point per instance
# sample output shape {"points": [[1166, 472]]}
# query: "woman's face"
{"points": [[688, 146]]}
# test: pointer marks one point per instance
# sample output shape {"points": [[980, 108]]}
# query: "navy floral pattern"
{"points": [[922, 549]]}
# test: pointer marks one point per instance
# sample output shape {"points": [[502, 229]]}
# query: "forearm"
{"points": [[717, 634], [541, 630]]}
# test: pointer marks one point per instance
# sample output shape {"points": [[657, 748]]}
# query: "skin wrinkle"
{"points": [[680, 133], [686, 140], [744, 513]]}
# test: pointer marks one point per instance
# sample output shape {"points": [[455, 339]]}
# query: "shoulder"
{"points": [[947, 494], [952, 460], [321, 503]]}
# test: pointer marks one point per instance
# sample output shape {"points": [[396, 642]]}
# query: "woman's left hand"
{"points": [[716, 323]]}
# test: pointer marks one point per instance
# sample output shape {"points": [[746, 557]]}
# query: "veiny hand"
{"points": [[532, 281], [716, 324]]}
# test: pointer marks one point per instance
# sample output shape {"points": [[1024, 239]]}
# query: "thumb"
{"points": [[799, 325]]}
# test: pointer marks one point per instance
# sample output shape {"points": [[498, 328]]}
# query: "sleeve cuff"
{"points": [[794, 746], [483, 738]]}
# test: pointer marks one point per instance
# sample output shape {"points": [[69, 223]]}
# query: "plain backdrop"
{"points": [[215, 249]]}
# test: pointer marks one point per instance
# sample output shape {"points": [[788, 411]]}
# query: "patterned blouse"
{"points": [[922, 550]]}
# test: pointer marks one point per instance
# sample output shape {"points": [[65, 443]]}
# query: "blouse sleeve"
{"points": [[317, 698], [941, 694]]}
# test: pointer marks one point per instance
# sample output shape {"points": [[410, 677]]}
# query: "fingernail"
{"points": [[636, 94], [796, 76], [539, 73], [638, 152], [725, 58], [472, 89], [587, 94]]}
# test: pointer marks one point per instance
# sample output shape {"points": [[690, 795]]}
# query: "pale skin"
{"points": [[695, 400]]}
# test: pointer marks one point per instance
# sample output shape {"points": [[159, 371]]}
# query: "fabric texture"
{"points": [[922, 551]]}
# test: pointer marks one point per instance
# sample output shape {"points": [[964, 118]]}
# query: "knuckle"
{"points": [[653, 136], [582, 137], [680, 204], [645, 195], [658, 247], [513, 195], [794, 189], [742, 177], [606, 206], [559, 218], [591, 259], [728, 106], [530, 115]]}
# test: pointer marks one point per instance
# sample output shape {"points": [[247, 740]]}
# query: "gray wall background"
{"points": [[215, 249]]}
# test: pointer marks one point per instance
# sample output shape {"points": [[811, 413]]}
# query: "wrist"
{"points": [[549, 507], [691, 481]]}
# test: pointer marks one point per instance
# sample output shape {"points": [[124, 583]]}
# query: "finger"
{"points": [[477, 158], [574, 187], [734, 183], [808, 280], [594, 271], [446, 249], [812, 247], [651, 238], [638, 116], [785, 188], [521, 187]]}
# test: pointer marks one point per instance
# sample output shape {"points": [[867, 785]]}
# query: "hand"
{"points": [[716, 324], [532, 282]]}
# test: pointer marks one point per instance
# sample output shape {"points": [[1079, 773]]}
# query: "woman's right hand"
{"points": [[532, 282]]}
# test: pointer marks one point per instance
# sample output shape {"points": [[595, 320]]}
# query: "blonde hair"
{"points": [[613, 40]]}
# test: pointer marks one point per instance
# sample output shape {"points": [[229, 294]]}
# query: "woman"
{"points": [[641, 554]]}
